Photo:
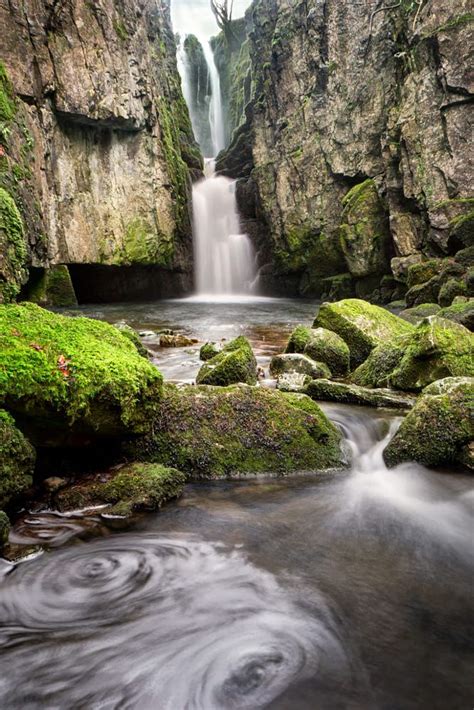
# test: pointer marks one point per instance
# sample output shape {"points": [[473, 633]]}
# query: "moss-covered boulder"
{"points": [[234, 363], [53, 287], [69, 374], [328, 391], [361, 325], [17, 460], [420, 273], [209, 432], [133, 336], [208, 351], [329, 348], [437, 348], [301, 364], [417, 313], [134, 487], [438, 427], [461, 312], [4, 528], [298, 339], [377, 369]]}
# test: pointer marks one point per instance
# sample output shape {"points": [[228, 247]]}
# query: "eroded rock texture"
{"points": [[97, 147], [343, 93]]}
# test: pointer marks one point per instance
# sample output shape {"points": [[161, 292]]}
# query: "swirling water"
{"points": [[339, 591]]}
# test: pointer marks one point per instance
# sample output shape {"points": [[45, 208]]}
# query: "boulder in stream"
{"points": [[301, 364], [321, 345], [439, 427], [361, 325], [211, 432], [234, 363], [329, 391], [208, 351], [72, 376]]}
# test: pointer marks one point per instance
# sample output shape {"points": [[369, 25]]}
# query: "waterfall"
{"points": [[216, 111], [223, 256]]}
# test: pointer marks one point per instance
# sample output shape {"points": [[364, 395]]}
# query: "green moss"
{"points": [[212, 432], [376, 370], [17, 458], [132, 335], [422, 272], [4, 528], [144, 245], [329, 348], [120, 30], [361, 325], [462, 313], [7, 105], [462, 228], [64, 370], [328, 391], [438, 348], [439, 425], [451, 289], [208, 351], [136, 486], [234, 363], [298, 339], [12, 247], [298, 363], [53, 288], [416, 314]]}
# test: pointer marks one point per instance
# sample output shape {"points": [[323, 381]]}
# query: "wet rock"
{"points": [[329, 391], [293, 382], [71, 377], [176, 341], [54, 483], [438, 348], [461, 312], [361, 325], [417, 313], [17, 459], [439, 426], [297, 363], [234, 363], [131, 488], [377, 369], [209, 432], [329, 348], [208, 351]]}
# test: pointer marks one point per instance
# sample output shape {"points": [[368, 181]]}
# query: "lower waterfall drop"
{"points": [[224, 257]]}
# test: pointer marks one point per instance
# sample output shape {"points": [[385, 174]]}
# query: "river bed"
{"points": [[348, 590]]}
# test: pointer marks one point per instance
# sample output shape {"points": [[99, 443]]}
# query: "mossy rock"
{"points": [[70, 373], [438, 348], [462, 229], [297, 363], [4, 528], [134, 487], [416, 314], [234, 363], [329, 391], [361, 325], [421, 273], [334, 288], [13, 249], [17, 460], [210, 432], [449, 291], [438, 427], [423, 293], [298, 339], [53, 288], [132, 335], [208, 351], [329, 348], [465, 257], [377, 369], [460, 312]]}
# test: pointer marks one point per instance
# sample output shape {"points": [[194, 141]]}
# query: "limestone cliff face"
{"points": [[359, 135], [97, 146]]}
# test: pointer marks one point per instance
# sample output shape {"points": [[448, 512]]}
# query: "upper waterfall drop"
{"points": [[216, 110]]}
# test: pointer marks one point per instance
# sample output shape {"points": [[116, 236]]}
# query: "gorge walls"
{"points": [[353, 150], [96, 149]]}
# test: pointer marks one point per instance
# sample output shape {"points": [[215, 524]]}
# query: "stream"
{"points": [[338, 591]]}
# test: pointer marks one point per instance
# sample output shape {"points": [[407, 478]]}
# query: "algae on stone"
{"points": [[134, 487], [64, 371], [17, 460], [210, 432], [439, 426], [361, 325], [234, 363]]}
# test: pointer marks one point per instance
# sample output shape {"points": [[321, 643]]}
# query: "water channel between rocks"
{"points": [[349, 590]]}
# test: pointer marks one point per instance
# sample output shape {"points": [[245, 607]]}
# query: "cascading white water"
{"points": [[216, 111], [224, 257]]}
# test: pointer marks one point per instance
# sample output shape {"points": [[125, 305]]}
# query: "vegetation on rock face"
{"points": [[17, 459], [13, 249], [416, 314], [460, 312], [79, 371], [208, 351], [211, 432], [134, 487], [377, 369], [438, 348], [298, 339], [4, 528], [132, 335], [440, 424], [234, 363], [361, 325], [53, 288], [329, 348], [328, 391]]}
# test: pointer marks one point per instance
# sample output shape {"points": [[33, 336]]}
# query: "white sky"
{"points": [[195, 16]]}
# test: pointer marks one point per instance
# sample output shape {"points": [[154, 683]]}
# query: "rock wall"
{"points": [[96, 146], [355, 143]]}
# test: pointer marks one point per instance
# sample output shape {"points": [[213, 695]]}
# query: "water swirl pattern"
{"points": [[156, 622]]}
